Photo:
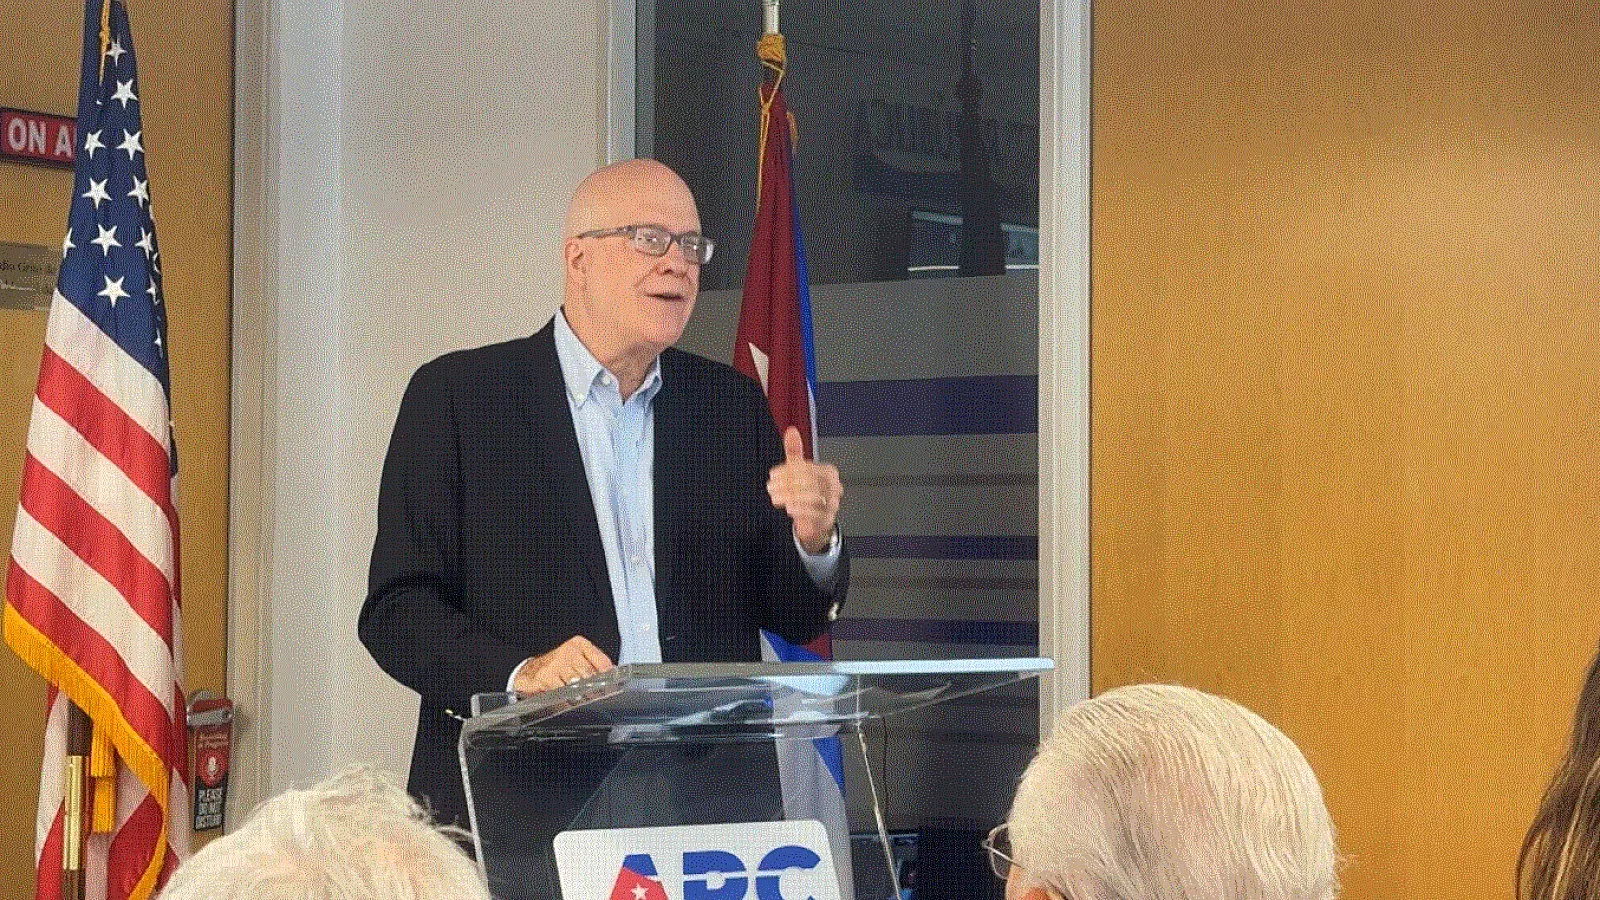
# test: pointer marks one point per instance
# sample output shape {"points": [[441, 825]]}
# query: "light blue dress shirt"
{"points": [[617, 441]]}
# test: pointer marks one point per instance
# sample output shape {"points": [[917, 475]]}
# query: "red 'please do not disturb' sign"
{"points": [[37, 137]]}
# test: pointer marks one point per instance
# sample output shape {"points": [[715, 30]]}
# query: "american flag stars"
{"points": [[130, 143], [96, 192], [110, 257], [113, 292], [107, 239]]}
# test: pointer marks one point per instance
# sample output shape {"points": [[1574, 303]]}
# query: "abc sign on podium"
{"points": [[744, 861]]}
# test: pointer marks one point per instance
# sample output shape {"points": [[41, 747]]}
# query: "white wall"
{"points": [[402, 175]]}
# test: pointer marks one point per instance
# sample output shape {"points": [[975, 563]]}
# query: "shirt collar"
{"points": [[582, 371]]}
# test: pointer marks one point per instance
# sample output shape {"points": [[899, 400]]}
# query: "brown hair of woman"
{"points": [[1560, 857]]}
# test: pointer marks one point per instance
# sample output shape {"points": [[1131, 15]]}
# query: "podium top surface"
{"points": [[734, 701]]}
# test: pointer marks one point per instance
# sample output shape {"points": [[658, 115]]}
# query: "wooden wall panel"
{"points": [[1346, 460], [185, 51]]}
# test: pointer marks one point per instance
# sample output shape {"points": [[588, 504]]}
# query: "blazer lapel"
{"points": [[558, 444], [674, 424]]}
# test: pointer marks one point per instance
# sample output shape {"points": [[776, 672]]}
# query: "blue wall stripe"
{"points": [[980, 404], [938, 631], [943, 546]]}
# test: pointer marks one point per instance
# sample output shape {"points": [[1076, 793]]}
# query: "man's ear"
{"points": [[573, 258]]}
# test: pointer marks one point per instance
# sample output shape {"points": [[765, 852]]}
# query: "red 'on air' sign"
{"points": [[37, 137]]}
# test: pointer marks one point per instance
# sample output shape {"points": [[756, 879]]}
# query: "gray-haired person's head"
{"points": [[354, 836], [1159, 792]]}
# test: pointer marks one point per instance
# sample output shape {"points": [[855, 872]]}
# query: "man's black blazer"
{"points": [[488, 551]]}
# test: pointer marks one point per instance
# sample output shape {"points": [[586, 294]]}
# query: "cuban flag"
{"points": [[774, 346], [637, 880]]}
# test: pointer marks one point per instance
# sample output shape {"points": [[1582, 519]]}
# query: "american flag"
{"points": [[92, 584]]}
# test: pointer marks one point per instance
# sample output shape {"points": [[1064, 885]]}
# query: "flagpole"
{"points": [[769, 16], [79, 729]]}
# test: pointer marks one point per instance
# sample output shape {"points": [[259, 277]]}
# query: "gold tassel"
{"points": [[102, 762], [105, 805], [45, 658], [103, 769], [770, 50]]}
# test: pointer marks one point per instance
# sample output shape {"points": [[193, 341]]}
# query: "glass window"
{"points": [[916, 172], [902, 136]]}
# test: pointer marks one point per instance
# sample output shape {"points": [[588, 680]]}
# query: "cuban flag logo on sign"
{"points": [[637, 880]]}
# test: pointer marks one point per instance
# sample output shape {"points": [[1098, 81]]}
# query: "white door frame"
{"points": [[1064, 137]]}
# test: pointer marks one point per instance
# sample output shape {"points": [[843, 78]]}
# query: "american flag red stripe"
{"points": [[92, 585], [45, 886], [107, 428], [85, 345], [94, 539], [125, 859], [144, 711], [103, 482]]}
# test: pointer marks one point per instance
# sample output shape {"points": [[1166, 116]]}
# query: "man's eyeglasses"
{"points": [[998, 845], [653, 241]]}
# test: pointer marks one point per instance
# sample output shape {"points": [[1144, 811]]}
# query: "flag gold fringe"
{"points": [[105, 805], [103, 769], [44, 657], [101, 761]]}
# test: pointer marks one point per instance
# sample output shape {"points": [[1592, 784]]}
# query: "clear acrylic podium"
{"points": [[675, 744]]}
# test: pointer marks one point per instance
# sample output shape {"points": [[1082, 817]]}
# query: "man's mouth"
{"points": [[670, 296]]}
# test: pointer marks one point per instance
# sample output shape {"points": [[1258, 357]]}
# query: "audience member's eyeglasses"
{"points": [[653, 241], [998, 845]]}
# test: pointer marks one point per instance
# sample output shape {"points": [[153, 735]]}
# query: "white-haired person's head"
{"points": [[354, 836], [1159, 792]]}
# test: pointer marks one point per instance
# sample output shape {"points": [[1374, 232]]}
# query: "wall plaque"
{"points": [[28, 275]]}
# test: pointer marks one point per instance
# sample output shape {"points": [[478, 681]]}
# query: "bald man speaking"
{"points": [[554, 505]]}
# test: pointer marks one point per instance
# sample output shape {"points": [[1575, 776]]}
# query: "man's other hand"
{"points": [[809, 492], [576, 658]]}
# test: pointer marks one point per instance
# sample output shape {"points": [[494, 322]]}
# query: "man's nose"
{"points": [[676, 259]]}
